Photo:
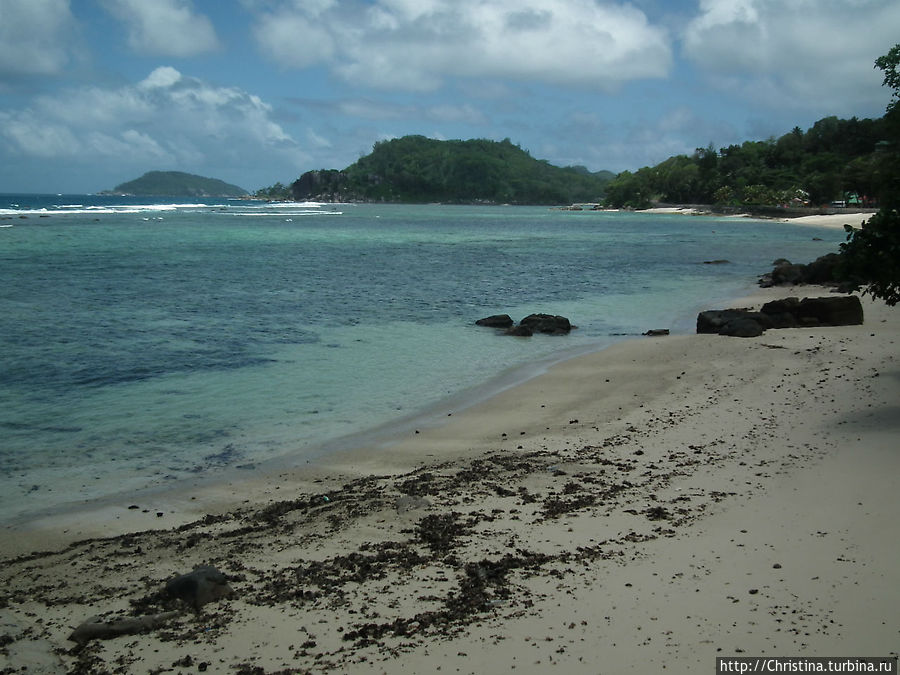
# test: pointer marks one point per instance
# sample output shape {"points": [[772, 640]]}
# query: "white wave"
{"points": [[272, 214]]}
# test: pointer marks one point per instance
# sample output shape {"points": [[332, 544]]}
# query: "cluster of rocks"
{"points": [[548, 324], [786, 313], [822, 271]]}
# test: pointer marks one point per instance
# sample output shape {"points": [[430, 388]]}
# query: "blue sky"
{"points": [[96, 92]]}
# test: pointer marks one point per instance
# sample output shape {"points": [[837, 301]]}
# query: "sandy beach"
{"points": [[651, 506], [835, 220]]}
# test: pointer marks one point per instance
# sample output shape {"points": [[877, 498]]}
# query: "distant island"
{"points": [[416, 169], [176, 183]]}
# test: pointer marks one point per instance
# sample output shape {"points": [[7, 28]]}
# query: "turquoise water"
{"points": [[144, 343]]}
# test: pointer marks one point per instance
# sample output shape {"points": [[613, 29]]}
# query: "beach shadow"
{"points": [[884, 417]]}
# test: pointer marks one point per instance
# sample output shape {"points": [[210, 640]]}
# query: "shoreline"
{"points": [[671, 499], [832, 220]]}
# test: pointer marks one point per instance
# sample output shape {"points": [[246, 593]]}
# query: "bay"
{"points": [[145, 342]]}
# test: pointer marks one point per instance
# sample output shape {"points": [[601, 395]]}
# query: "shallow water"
{"points": [[142, 343]]}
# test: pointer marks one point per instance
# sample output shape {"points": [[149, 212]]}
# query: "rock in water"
{"points": [[547, 323], [496, 321], [204, 585]]}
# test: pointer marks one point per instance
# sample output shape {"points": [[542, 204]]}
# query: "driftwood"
{"points": [[97, 628]]}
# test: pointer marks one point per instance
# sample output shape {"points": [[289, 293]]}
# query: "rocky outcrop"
{"points": [[496, 321], [326, 185], [549, 324], [822, 271], [786, 313]]}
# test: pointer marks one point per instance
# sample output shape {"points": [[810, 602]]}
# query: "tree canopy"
{"points": [[834, 159], [178, 183], [416, 169], [871, 255]]}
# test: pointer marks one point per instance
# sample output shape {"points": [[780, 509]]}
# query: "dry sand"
{"points": [[654, 505], [836, 220]]}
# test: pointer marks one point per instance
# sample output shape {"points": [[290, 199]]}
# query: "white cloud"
{"points": [[165, 27], [36, 37], [166, 119], [447, 113], [417, 44], [795, 53], [292, 39], [369, 109]]}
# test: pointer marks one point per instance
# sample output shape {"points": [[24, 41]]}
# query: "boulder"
{"points": [[842, 310], [788, 274], [845, 310], [520, 331], [742, 326], [714, 320], [822, 270], [782, 312], [657, 332], [204, 585], [547, 323], [496, 321]]}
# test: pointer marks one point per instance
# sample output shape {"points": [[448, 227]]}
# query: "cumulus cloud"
{"points": [[36, 37], [370, 109], [416, 44], [167, 119], [165, 27], [800, 53]]}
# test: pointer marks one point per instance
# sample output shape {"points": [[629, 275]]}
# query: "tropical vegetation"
{"points": [[416, 169], [177, 183], [871, 255], [834, 160]]}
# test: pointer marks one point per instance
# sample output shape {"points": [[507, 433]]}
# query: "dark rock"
{"points": [[496, 321], [785, 313], [547, 323], [743, 326], [823, 271], [204, 585], [845, 310], [782, 312], [520, 331], [713, 320], [789, 274], [656, 332], [716, 262]]}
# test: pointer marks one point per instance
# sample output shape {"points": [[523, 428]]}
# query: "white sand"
{"points": [[639, 500], [836, 220]]}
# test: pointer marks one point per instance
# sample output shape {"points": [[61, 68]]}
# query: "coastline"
{"points": [[833, 221], [625, 507]]}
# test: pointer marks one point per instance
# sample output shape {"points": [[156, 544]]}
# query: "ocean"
{"points": [[147, 342]]}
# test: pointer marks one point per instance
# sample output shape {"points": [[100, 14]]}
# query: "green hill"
{"points": [[416, 169], [834, 160], [177, 183]]}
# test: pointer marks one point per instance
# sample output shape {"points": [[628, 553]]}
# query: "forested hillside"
{"points": [[835, 159], [178, 183], [416, 169]]}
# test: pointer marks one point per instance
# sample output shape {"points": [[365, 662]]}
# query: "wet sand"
{"points": [[657, 504]]}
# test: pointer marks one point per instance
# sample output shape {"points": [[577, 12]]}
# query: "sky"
{"points": [[96, 92]]}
